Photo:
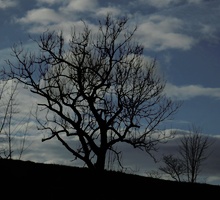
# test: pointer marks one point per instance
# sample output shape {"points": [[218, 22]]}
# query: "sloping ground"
{"points": [[29, 180]]}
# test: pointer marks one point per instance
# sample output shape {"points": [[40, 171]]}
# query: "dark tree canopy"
{"points": [[98, 89]]}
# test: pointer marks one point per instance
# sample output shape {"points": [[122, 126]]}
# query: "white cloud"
{"points": [[161, 32], [51, 151], [49, 1], [43, 16], [190, 91], [112, 10], [159, 3], [195, 1], [42, 19], [167, 3], [4, 4], [156, 32], [209, 32], [81, 5]]}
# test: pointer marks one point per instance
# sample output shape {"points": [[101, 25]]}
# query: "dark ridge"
{"points": [[29, 180]]}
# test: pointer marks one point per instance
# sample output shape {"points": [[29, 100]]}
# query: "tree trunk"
{"points": [[100, 163]]}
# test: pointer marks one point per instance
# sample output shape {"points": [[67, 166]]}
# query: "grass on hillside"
{"points": [[37, 180]]}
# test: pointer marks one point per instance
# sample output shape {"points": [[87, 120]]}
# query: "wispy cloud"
{"points": [[160, 32], [173, 26], [167, 3], [80, 5], [195, 1], [42, 16], [50, 2], [191, 91], [159, 3], [156, 33], [112, 10], [4, 4]]}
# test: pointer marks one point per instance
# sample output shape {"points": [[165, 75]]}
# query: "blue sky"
{"points": [[183, 35]]}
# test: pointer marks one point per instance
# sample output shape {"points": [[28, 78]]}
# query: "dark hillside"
{"points": [[46, 181]]}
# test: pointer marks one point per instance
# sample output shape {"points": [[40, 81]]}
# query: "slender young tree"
{"points": [[174, 167], [10, 127], [98, 89], [193, 150]]}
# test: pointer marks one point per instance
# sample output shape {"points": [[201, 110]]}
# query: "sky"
{"points": [[184, 37]]}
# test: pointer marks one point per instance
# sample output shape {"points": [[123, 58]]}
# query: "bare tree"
{"points": [[154, 174], [174, 167], [10, 127], [192, 150], [98, 89]]}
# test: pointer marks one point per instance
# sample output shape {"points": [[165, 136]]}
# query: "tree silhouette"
{"points": [[98, 89], [192, 150], [13, 128], [174, 167]]}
